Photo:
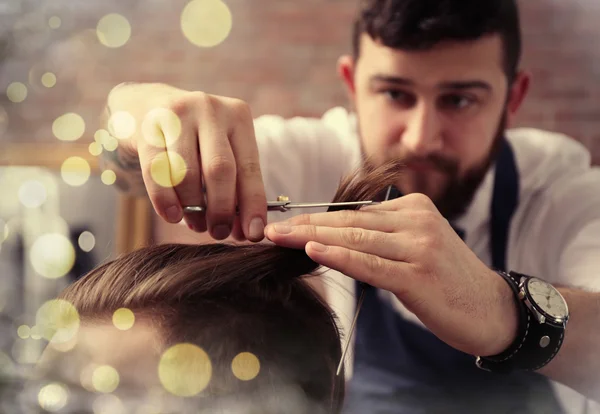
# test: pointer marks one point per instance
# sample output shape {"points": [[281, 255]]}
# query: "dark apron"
{"points": [[400, 367]]}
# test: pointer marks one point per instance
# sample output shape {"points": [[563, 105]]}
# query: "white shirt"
{"points": [[554, 234]]}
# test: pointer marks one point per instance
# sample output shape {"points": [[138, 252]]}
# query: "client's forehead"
{"points": [[105, 357]]}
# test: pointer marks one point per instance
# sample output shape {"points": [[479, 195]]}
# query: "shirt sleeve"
{"points": [[568, 239], [302, 158]]}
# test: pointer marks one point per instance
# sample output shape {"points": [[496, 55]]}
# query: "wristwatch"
{"points": [[543, 316]]}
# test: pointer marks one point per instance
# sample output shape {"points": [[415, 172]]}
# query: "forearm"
{"points": [[577, 364]]}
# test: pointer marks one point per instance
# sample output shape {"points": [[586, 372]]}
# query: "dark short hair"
{"points": [[421, 24], [229, 299]]}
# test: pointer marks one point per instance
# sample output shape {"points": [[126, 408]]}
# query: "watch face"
{"points": [[547, 298]]}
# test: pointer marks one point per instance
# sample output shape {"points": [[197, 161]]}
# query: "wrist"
{"points": [[507, 318]]}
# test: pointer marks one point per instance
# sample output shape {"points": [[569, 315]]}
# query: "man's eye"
{"points": [[457, 102], [400, 97]]}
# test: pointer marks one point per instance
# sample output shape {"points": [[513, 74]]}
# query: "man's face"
{"points": [[439, 110]]}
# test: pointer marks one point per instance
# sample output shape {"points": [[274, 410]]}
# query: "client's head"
{"points": [[232, 329]]}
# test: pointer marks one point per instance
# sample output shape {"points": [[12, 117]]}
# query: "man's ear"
{"points": [[517, 94], [345, 69]]}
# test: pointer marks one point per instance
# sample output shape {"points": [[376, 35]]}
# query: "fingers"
{"points": [[250, 186], [379, 220], [387, 245], [381, 273], [219, 172], [156, 173]]}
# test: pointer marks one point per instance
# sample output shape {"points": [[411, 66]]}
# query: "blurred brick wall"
{"points": [[280, 56]]}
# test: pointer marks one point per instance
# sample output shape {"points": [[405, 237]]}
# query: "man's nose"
{"points": [[423, 133]]}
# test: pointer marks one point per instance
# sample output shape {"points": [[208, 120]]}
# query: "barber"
{"points": [[485, 267]]}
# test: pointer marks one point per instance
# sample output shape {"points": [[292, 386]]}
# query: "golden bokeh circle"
{"points": [[86, 241], [68, 127], [52, 255], [95, 149], [122, 125], [108, 177], [53, 397], [48, 79], [110, 143], [105, 379], [54, 22], [168, 169], [24, 331], [58, 321], [100, 136], [113, 30], [161, 127], [184, 370], [36, 333], [245, 366], [123, 319], [206, 23], [16, 92], [75, 171]]}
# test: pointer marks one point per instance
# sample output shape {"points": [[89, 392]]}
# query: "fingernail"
{"points": [[221, 231], [173, 213], [318, 247], [282, 228], [257, 228]]}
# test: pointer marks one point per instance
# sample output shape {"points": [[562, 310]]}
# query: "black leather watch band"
{"points": [[536, 343]]}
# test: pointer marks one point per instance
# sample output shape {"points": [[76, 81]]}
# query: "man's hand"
{"points": [[406, 247], [188, 141]]}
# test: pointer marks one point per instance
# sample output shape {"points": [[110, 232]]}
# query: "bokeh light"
{"points": [[122, 125], [108, 177], [105, 379], [58, 321], [95, 149], [68, 127], [75, 171], [206, 23], [123, 319], [35, 333], [100, 136], [168, 169], [53, 397], [161, 127], [113, 30], [110, 143], [108, 404], [32, 194], [16, 92], [86, 241], [52, 255], [184, 370], [54, 22], [23, 331], [245, 366], [48, 79]]}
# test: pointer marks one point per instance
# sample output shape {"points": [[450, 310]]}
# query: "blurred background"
{"points": [[59, 216]]}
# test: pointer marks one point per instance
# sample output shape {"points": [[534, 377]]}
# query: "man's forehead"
{"points": [[446, 62]]}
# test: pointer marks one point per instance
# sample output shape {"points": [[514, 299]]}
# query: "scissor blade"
{"points": [[348, 203]]}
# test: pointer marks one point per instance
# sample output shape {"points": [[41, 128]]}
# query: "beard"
{"points": [[457, 195]]}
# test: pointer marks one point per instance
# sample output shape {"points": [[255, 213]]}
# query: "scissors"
{"points": [[284, 204]]}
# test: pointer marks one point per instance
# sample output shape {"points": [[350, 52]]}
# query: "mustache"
{"points": [[441, 163]]}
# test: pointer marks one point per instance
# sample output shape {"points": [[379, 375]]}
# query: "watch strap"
{"points": [[536, 343], [523, 326]]}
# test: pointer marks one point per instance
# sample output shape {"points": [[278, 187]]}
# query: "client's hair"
{"points": [[230, 299]]}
